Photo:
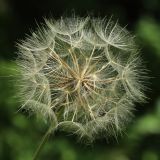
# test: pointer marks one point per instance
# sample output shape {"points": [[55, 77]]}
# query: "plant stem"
{"points": [[42, 143]]}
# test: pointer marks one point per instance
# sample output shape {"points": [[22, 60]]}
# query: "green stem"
{"points": [[42, 143]]}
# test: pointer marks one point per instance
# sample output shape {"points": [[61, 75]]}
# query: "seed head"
{"points": [[81, 74]]}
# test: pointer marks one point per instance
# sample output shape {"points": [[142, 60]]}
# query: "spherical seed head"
{"points": [[82, 74]]}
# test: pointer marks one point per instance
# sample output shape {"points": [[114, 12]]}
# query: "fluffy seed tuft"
{"points": [[82, 74]]}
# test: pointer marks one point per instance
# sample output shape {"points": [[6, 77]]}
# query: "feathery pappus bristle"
{"points": [[82, 74]]}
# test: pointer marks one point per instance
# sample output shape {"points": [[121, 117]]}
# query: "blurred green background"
{"points": [[20, 132]]}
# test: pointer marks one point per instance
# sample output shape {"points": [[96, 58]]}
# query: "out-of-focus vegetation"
{"points": [[20, 133]]}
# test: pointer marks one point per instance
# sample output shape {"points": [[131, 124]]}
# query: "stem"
{"points": [[42, 143]]}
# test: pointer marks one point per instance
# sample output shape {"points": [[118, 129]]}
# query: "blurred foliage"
{"points": [[20, 133]]}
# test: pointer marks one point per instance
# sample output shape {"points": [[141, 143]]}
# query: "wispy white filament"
{"points": [[81, 74]]}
